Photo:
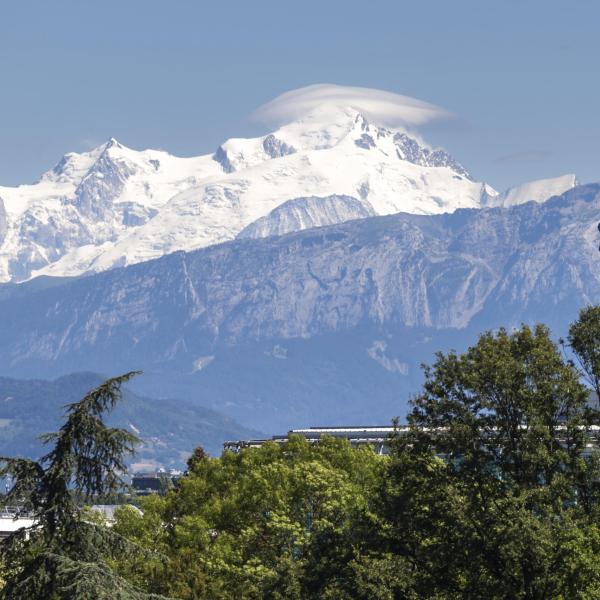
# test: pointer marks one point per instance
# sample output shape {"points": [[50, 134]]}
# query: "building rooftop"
{"points": [[374, 435]]}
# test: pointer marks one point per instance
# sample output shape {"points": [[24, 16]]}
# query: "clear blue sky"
{"points": [[184, 75]]}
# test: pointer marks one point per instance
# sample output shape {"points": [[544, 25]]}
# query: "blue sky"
{"points": [[522, 76]]}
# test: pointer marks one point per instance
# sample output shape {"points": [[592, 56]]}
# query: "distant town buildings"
{"points": [[13, 518], [154, 482], [377, 437]]}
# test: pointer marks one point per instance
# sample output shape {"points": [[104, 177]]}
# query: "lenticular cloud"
{"points": [[380, 106]]}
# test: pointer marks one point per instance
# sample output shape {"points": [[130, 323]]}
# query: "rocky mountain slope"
{"points": [[318, 326]]}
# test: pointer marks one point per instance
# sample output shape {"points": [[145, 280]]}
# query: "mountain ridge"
{"points": [[332, 317], [169, 429]]}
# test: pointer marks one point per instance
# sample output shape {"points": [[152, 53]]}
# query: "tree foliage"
{"points": [[274, 522], [584, 341], [494, 492], [65, 555], [495, 486], [491, 492]]}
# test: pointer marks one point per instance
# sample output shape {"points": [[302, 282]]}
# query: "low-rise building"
{"points": [[154, 482], [13, 518], [376, 436]]}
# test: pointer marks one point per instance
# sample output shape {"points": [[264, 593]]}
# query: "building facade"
{"points": [[377, 436]]}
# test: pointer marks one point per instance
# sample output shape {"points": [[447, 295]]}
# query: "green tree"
{"points": [[281, 521], [66, 555], [493, 492], [584, 341]]}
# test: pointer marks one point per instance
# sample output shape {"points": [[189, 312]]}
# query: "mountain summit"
{"points": [[115, 206]]}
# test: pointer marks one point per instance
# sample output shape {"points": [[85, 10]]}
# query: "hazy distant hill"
{"points": [[170, 429]]}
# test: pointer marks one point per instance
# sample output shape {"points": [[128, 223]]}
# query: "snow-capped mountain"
{"points": [[325, 325], [88, 201], [115, 206], [536, 191], [304, 213]]}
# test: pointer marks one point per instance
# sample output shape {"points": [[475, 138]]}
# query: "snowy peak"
{"points": [[539, 190], [331, 162], [115, 206], [112, 143], [104, 181], [322, 129], [72, 166], [408, 148], [325, 128], [353, 125], [305, 213], [86, 201]]}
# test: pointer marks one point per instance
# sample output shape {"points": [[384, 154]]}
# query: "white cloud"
{"points": [[382, 107], [90, 143]]}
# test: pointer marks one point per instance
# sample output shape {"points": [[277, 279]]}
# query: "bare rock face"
{"points": [[407, 148], [220, 157], [350, 309], [276, 148]]}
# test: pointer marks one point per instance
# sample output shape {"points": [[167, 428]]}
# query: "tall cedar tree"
{"points": [[64, 555]]}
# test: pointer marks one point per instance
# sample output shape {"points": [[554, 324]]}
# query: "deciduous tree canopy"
{"points": [[492, 493]]}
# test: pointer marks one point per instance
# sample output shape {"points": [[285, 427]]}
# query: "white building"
{"points": [[13, 518], [377, 436]]}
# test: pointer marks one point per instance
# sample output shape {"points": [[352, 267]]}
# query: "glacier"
{"points": [[114, 206]]}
